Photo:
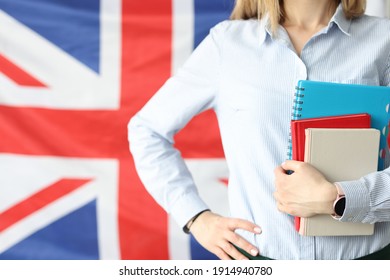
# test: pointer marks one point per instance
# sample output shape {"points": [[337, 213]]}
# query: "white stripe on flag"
{"points": [[182, 32], [182, 46]]}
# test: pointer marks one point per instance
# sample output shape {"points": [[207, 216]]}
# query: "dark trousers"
{"points": [[383, 254]]}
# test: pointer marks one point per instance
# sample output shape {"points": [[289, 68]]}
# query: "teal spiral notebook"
{"points": [[321, 99]]}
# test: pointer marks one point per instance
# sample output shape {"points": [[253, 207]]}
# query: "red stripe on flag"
{"points": [[17, 74], [39, 200], [38, 131], [146, 64]]}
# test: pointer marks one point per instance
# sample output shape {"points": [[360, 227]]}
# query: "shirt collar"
{"points": [[341, 21], [338, 19], [265, 28]]}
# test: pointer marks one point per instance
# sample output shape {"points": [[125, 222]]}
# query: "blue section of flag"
{"points": [[72, 25], [72, 237], [209, 13], [200, 253]]}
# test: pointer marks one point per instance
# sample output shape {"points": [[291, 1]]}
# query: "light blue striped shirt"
{"points": [[248, 77]]}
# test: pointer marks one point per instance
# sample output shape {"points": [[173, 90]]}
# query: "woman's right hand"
{"points": [[217, 234]]}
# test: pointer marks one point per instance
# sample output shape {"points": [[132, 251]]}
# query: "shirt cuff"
{"points": [[357, 203], [187, 207]]}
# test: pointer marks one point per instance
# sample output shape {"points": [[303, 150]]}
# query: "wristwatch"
{"points": [[339, 203]]}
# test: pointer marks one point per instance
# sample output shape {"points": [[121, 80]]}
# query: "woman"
{"points": [[246, 71]]}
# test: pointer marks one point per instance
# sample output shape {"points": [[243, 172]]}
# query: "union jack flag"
{"points": [[72, 74]]}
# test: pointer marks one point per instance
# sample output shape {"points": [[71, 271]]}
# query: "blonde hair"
{"points": [[247, 9]]}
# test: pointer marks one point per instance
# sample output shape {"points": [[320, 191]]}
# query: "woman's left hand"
{"points": [[305, 192]]}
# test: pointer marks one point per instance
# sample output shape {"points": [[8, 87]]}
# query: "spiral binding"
{"points": [[297, 107], [295, 115]]}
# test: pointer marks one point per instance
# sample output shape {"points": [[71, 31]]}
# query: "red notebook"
{"points": [[298, 133]]}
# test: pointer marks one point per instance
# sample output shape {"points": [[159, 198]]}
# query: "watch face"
{"points": [[340, 206]]}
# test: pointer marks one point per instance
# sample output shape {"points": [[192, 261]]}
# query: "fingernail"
{"points": [[257, 229], [254, 252]]}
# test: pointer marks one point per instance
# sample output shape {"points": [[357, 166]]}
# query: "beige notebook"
{"points": [[341, 155]]}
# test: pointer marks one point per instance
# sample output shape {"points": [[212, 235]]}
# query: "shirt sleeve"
{"points": [[151, 131], [368, 199]]}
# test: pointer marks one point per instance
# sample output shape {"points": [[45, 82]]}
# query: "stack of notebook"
{"points": [[336, 128]]}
